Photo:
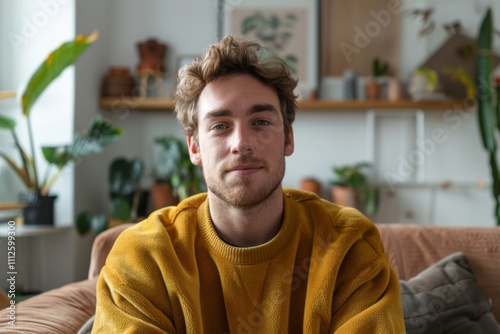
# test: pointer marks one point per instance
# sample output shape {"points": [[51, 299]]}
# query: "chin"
{"points": [[244, 197]]}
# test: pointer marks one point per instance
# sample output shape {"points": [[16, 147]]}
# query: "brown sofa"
{"points": [[411, 249]]}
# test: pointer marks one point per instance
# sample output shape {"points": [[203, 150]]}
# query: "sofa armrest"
{"points": [[102, 246], [62, 310]]}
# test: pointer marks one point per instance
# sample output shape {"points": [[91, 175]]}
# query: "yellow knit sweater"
{"points": [[324, 272]]}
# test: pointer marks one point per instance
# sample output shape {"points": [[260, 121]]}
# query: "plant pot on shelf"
{"points": [[162, 195], [372, 90], [312, 185], [118, 81], [39, 210], [346, 196]]}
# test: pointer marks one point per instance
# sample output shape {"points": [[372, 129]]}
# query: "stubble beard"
{"points": [[241, 193]]}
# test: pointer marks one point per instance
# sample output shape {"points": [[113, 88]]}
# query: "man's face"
{"points": [[241, 140]]}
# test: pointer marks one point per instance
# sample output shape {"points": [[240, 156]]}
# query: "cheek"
{"points": [[269, 141], [211, 151]]}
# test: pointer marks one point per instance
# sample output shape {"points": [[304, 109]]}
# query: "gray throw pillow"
{"points": [[445, 298]]}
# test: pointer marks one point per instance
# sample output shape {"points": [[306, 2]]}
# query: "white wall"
{"points": [[28, 33]]}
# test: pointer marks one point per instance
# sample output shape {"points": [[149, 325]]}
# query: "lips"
{"points": [[245, 167], [244, 170]]}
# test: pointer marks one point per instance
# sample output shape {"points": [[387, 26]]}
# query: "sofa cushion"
{"points": [[59, 311], [412, 248], [445, 298]]}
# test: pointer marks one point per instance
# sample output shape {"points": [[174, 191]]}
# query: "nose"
{"points": [[242, 140]]}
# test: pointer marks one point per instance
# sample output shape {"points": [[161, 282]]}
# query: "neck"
{"points": [[247, 227]]}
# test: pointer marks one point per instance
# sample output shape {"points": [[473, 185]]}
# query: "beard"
{"points": [[244, 192]]}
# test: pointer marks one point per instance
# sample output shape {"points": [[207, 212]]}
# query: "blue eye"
{"points": [[218, 127], [262, 122]]}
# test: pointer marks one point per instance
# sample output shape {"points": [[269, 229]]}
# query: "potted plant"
{"points": [[174, 175], [488, 106], [372, 85], [39, 208], [125, 188], [124, 180], [352, 187], [459, 73]]}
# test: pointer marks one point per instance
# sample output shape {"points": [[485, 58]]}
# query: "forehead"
{"points": [[236, 92]]}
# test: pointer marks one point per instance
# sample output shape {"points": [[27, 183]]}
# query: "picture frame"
{"points": [[288, 29], [353, 38]]}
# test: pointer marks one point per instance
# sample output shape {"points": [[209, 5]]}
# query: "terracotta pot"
{"points": [[118, 82], [162, 195], [346, 196], [311, 185], [372, 90]]}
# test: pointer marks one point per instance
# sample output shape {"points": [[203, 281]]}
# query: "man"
{"points": [[247, 256]]}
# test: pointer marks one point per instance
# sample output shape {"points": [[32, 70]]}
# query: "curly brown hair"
{"points": [[233, 55]]}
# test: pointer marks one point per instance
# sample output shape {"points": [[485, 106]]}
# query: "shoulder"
{"points": [[311, 204], [161, 229], [332, 220]]}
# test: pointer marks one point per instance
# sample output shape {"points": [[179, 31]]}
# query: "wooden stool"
{"points": [[144, 83]]}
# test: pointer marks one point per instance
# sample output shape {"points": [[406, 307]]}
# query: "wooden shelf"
{"points": [[7, 95], [377, 104], [136, 103], [165, 104]]}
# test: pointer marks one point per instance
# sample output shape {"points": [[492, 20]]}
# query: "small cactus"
{"points": [[379, 67]]}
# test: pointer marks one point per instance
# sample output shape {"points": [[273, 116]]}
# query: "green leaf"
{"points": [[168, 158], [121, 208], [497, 107], [100, 134], [125, 176], [248, 25], [7, 123], [291, 59], [52, 67], [274, 22], [57, 155], [83, 223], [484, 66]]}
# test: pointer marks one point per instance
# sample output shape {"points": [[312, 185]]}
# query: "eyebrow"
{"points": [[254, 109]]}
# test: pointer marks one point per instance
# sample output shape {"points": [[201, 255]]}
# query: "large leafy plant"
{"points": [[99, 134], [488, 106]]}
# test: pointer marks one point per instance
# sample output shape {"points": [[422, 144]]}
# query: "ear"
{"points": [[194, 151], [289, 144]]}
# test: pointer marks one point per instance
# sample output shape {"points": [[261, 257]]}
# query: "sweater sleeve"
{"points": [[131, 293], [374, 306], [367, 296]]}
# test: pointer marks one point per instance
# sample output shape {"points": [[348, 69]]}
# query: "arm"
{"points": [[371, 302], [131, 293], [366, 297]]}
